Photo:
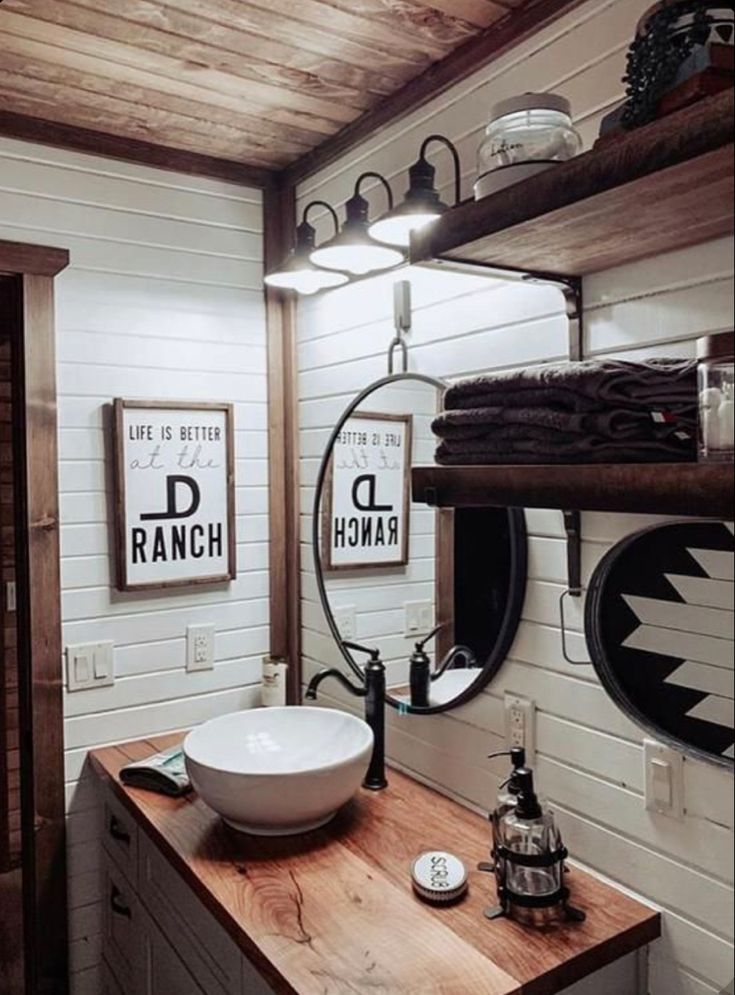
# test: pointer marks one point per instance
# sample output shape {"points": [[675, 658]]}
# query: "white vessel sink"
{"points": [[279, 771]]}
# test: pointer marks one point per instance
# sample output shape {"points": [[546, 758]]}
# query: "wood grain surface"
{"points": [[334, 911], [280, 76], [663, 187], [699, 489]]}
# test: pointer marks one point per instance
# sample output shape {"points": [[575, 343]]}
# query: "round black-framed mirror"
{"points": [[480, 556]]}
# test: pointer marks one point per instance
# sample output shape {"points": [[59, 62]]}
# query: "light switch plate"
{"points": [[90, 666], [200, 648], [664, 773]]}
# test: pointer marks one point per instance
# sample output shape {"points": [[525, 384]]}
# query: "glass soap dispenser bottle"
{"points": [[526, 135], [530, 861]]}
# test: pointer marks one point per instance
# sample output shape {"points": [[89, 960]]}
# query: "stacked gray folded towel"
{"points": [[606, 411]]}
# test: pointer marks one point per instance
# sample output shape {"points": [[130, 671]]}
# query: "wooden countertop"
{"points": [[334, 911]]}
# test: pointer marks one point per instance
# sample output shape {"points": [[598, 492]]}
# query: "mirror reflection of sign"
{"points": [[174, 467], [368, 517]]}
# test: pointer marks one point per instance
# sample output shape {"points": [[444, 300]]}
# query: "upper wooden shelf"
{"points": [[696, 489], [662, 187]]}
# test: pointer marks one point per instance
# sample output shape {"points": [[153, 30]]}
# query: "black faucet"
{"points": [[421, 675], [373, 691]]}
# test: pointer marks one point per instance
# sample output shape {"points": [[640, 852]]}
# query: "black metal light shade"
{"points": [[423, 204], [354, 250], [298, 272]]}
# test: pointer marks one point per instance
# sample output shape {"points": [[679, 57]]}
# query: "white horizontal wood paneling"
{"points": [[163, 300], [590, 755]]}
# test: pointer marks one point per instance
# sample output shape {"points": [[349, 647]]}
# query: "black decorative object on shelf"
{"points": [[667, 36], [660, 634]]}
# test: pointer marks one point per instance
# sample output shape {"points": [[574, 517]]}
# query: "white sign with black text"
{"points": [[174, 466], [367, 511]]}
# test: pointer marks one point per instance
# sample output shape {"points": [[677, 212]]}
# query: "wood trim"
{"points": [[76, 139], [283, 452], [494, 41], [38, 260], [39, 639], [119, 531]]}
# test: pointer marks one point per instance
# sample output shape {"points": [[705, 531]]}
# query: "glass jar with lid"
{"points": [[526, 135], [716, 355]]}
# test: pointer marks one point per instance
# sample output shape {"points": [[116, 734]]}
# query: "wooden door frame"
{"points": [[43, 816]]}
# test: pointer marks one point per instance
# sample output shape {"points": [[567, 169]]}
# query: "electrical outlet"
{"points": [[200, 648], [89, 666], [346, 621], [419, 618], [520, 724]]}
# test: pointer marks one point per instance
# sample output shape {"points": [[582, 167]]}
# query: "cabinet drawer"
{"points": [[161, 970], [120, 836], [211, 956], [120, 926]]}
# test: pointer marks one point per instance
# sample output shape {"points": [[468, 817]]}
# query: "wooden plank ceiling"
{"points": [[258, 82]]}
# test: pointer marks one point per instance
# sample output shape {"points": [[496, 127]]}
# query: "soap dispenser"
{"points": [[530, 861]]}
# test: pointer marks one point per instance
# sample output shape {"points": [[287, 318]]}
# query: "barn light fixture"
{"points": [[353, 249], [423, 204], [298, 272]]}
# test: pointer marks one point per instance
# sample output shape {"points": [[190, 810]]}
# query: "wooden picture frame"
{"points": [[125, 582], [329, 566]]}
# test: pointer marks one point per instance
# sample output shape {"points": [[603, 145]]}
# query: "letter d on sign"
{"points": [[371, 481], [172, 510]]}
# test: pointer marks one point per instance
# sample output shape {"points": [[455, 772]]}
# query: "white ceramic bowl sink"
{"points": [[279, 771]]}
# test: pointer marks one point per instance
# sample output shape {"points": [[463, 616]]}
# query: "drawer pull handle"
{"points": [[117, 832], [117, 904]]}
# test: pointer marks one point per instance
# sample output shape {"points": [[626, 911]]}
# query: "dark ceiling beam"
{"points": [[498, 38], [109, 146]]}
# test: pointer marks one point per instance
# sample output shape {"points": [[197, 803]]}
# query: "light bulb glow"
{"points": [[357, 258], [306, 279], [397, 229]]}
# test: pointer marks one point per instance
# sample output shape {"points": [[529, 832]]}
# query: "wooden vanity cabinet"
{"points": [[158, 939]]}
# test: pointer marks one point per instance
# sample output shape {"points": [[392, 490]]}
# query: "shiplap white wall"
{"points": [[163, 300], [589, 754]]}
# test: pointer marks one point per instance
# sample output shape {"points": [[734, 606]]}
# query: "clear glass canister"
{"points": [[716, 355], [532, 130]]}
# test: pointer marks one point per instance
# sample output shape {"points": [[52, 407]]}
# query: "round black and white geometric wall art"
{"points": [[659, 623]]}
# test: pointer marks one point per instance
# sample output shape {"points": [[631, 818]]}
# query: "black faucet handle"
{"points": [[432, 635], [374, 654]]}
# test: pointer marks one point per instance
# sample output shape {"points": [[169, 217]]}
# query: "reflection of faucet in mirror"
{"points": [[373, 691], [421, 676]]}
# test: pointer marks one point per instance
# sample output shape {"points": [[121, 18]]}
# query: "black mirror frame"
{"points": [[518, 573]]}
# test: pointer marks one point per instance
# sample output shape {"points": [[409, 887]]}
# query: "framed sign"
{"points": [[174, 494], [367, 509]]}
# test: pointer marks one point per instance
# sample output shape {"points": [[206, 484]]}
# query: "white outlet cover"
{"points": [[520, 724], [346, 621], [200, 648], [419, 618]]}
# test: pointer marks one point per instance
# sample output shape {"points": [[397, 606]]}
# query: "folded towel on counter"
{"points": [[564, 426], [594, 385]]}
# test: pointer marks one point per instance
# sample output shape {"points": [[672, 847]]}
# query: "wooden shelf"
{"points": [[696, 489], [662, 187]]}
